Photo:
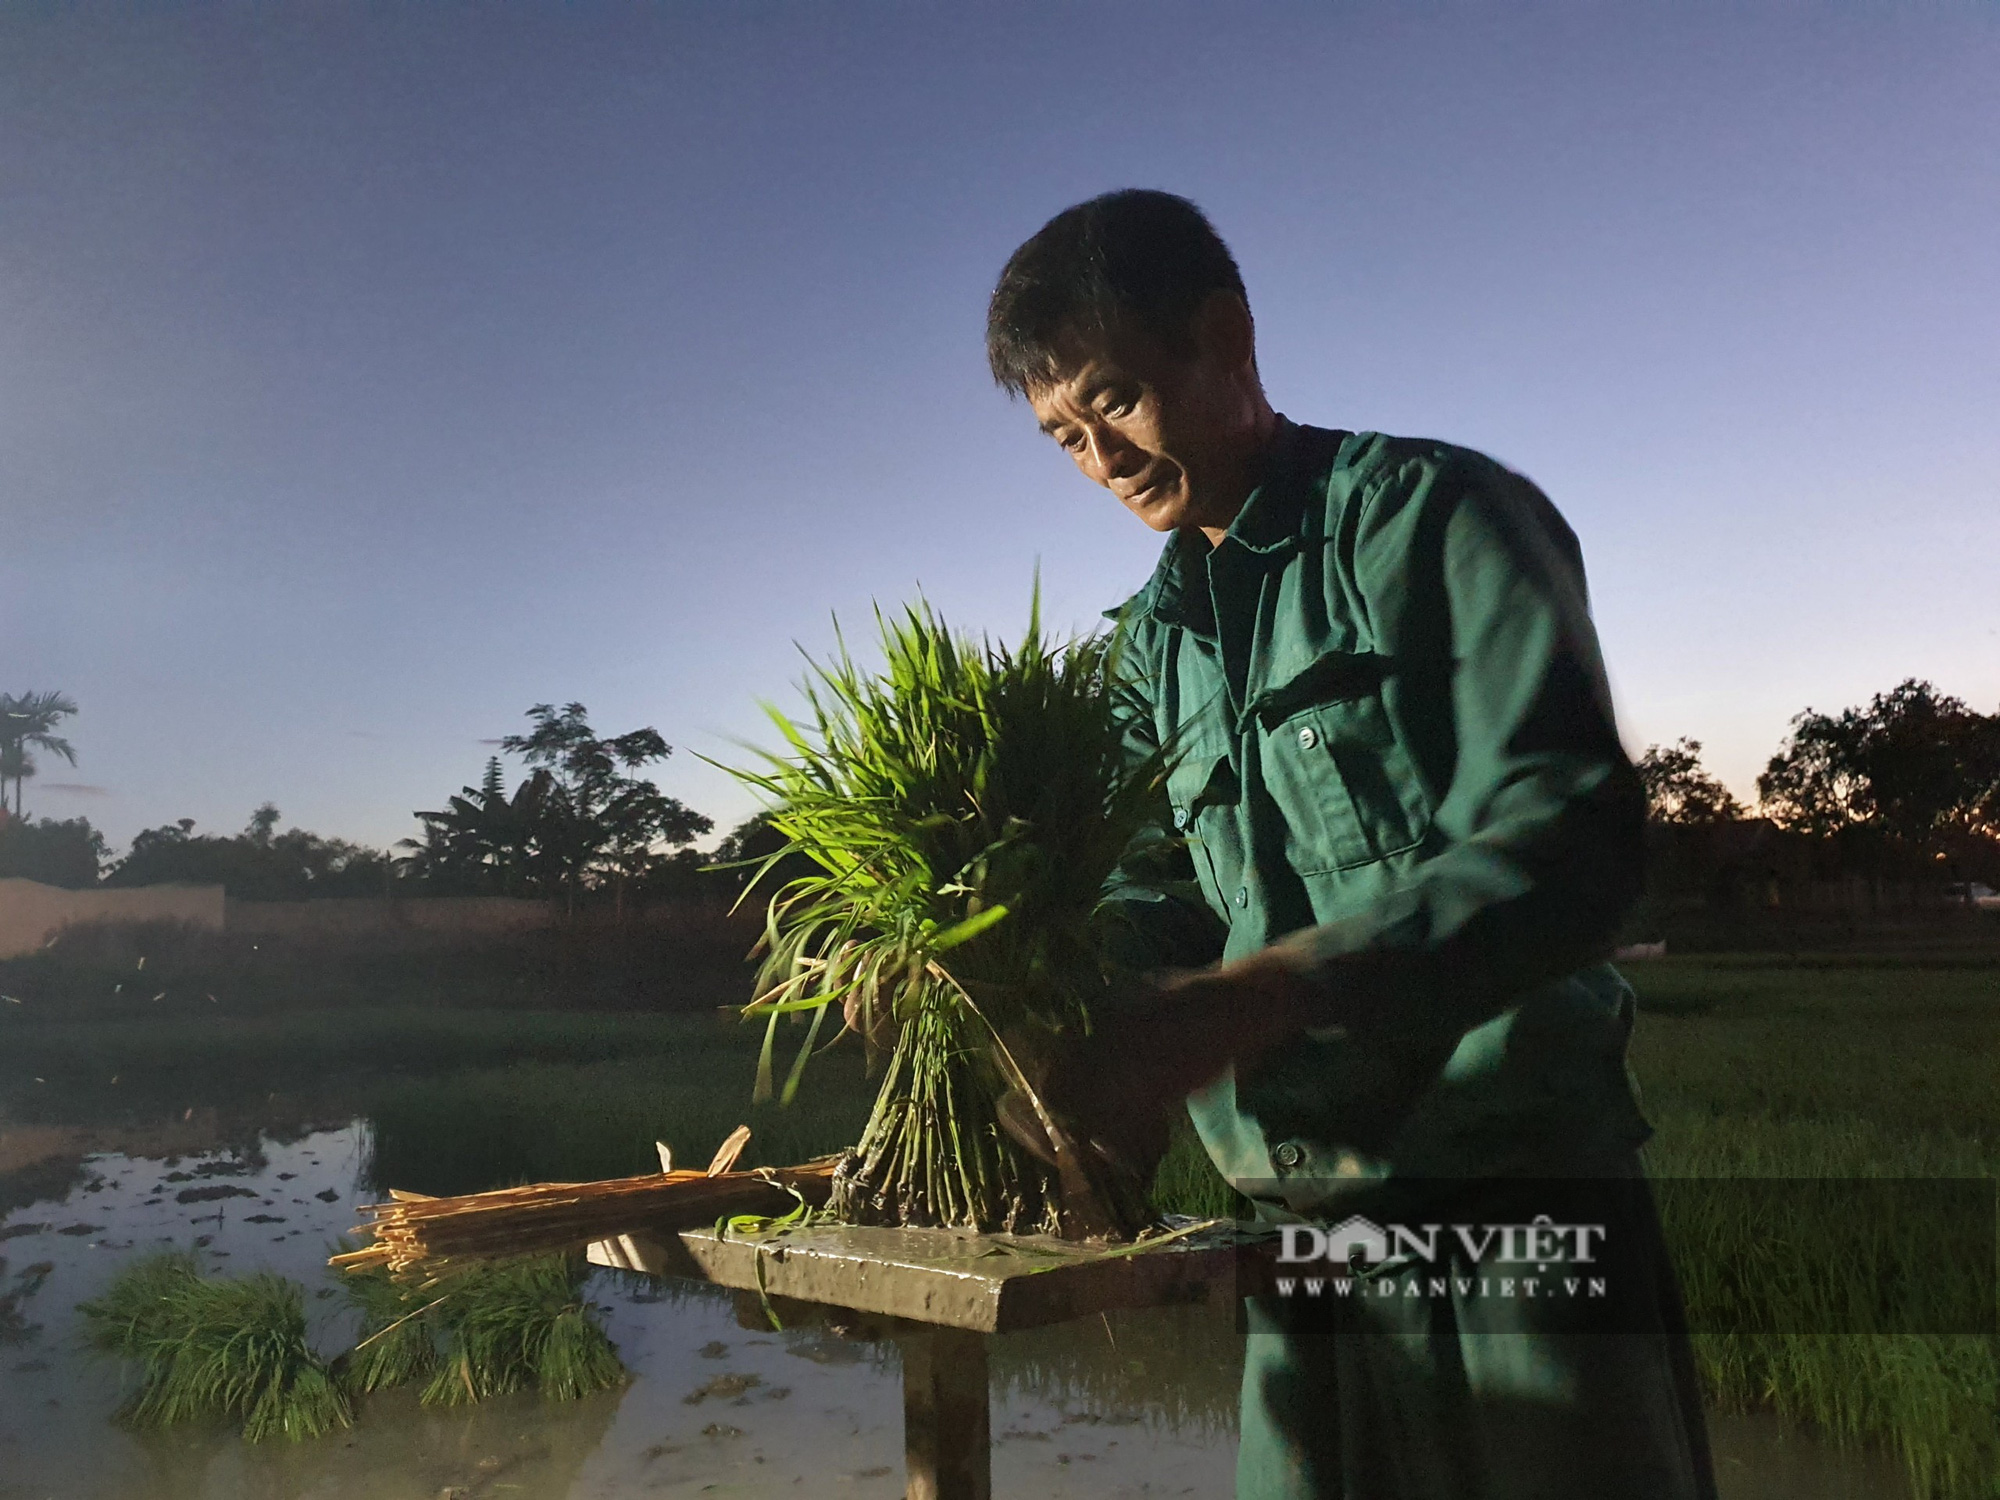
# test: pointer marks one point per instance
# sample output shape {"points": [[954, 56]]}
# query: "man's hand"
{"points": [[1201, 1023], [1120, 1087]]}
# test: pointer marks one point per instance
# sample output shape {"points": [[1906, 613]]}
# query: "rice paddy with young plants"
{"points": [[1753, 1066], [1769, 1068], [536, 1122], [963, 808]]}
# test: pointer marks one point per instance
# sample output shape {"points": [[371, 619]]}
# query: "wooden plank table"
{"points": [[954, 1289]]}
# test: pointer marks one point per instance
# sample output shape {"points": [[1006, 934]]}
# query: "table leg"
{"points": [[947, 1432]]}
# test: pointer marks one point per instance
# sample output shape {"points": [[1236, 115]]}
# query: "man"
{"points": [[1413, 832]]}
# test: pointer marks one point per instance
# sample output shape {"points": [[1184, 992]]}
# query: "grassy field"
{"points": [[1858, 1068], [1750, 1066], [457, 1100], [684, 960]]}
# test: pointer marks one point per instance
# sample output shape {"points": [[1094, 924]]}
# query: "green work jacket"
{"points": [[1394, 752]]}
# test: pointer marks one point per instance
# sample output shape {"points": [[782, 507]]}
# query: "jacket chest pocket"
{"points": [[1204, 791], [1346, 789]]}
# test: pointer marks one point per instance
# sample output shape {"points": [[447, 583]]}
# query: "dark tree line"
{"points": [[258, 864], [1906, 787], [1908, 784], [584, 825], [67, 853], [1917, 764]]}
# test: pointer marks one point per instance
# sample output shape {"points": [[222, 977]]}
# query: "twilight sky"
{"points": [[371, 372]]}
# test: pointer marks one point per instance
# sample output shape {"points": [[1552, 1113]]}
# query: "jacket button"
{"points": [[1243, 895], [1182, 817], [1288, 1154], [1308, 737]]}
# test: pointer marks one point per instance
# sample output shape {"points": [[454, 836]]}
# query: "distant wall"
{"points": [[31, 913], [452, 914]]}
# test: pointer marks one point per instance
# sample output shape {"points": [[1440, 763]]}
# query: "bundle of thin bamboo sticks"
{"points": [[412, 1230]]}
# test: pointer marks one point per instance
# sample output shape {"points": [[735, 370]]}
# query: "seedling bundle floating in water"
{"points": [[219, 1348], [964, 808], [482, 1330], [215, 1349]]}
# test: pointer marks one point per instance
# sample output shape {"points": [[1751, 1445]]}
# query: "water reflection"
{"points": [[1129, 1405], [714, 1407], [400, 1452]]}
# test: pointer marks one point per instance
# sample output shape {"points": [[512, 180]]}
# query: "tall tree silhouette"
{"points": [[27, 724], [599, 817], [1679, 788], [581, 818], [1915, 763]]}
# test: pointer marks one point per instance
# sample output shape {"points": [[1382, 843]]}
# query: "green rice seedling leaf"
{"points": [[1147, 1242], [766, 1225], [805, 1053], [575, 1358], [950, 937], [310, 1404], [763, 1088]]}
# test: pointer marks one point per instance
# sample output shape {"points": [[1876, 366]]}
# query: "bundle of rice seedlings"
{"points": [[480, 1331], [215, 1349], [396, 1343], [964, 808], [511, 1325]]}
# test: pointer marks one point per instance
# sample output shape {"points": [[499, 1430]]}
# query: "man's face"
{"points": [[1170, 434]]}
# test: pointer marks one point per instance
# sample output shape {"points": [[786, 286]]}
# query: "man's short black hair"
{"points": [[1137, 257]]}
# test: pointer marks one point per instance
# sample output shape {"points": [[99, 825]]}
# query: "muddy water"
{"points": [[1137, 1405]]}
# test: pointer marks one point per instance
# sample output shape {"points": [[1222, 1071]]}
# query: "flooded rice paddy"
{"points": [[713, 1407], [718, 1404]]}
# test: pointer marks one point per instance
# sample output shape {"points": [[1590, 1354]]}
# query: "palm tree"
{"points": [[26, 723], [486, 837]]}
